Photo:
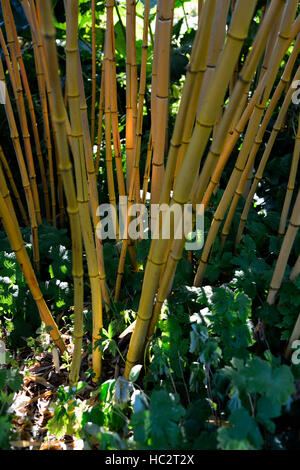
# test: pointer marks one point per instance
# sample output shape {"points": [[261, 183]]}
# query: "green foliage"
{"points": [[67, 412], [258, 390], [18, 312], [243, 435], [158, 426], [10, 383]]}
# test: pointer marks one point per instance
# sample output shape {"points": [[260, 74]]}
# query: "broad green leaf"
{"points": [[135, 372]]}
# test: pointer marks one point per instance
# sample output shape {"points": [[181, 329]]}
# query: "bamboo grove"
{"points": [[223, 98]]}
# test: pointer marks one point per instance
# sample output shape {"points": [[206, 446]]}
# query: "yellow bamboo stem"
{"points": [[32, 114], [107, 101], [131, 88], [162, 36], [269, 78], [185, 118], [22, 113], [92, 182], [205, 122], [285, 250], [93, 71], [14, 235], [137, 148], [13, 187], [71, 7], [23, 171], [59, 121], [296, 270], [100, 120], [259, 174], [178, 245], [256, 145], [291, 183]]}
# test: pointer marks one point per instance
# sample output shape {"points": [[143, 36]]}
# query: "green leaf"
{"points": [[282, 384], [139, 401], [122, 391], [244, 433], [135, 372], [266, 410], [165, 415], [4, 432], [140, 423], [10, 378], [105, 390]]}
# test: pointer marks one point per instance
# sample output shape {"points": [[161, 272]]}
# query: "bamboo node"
{"points": [[70, 50], [155, 263], [236, 38], [77, 275], [72, 211], [16, 250], [37, 299], [282, 36], [204, 124], [175, 258], [238, 169], [175, 145], [243, 80]]}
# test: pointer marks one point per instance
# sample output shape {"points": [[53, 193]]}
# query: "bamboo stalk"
{"points": [[92, 183], [46, 125], [259, 173], [291, 183], [131, 88], [23, 171], [32, 14], [100, 120], [178, 245], [205, 122], [268, 80], [188, 105], [107, 100], [71, 8], [256, 145], [137, 148], [93, 71], [294, 336], [162, 36], [112, 99], [216, 43], [13, 187], [22, 113], [32, 114], [220, 151], [14, 235], [59, 121], [200, 5], [296, 270], [147, 168], [285, 251]]}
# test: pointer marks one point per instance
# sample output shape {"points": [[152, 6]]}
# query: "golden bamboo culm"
{"points": [[58, 117], [225, 96], [205, 122]]}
